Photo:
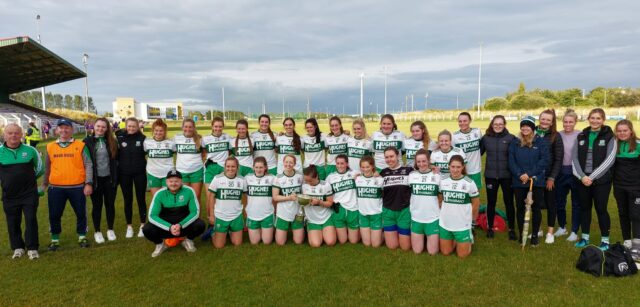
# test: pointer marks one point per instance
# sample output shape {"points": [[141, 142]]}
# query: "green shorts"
{"points": [[212, 170], [426, 229], [194, 177], [373, 221], [273, 171], [399, 221], [329, 169], [477, 178], [312, 226], [244, 170], [236, 224], [267, 222], [345, 218], [155, 182], [284, 225], [462, 236]]}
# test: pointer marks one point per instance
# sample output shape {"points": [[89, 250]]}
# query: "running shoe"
{"points": [[560, 232], [604, 246], [98, 237], [129, 233], [160, 248], [18, 253], [33, 254], [111, 235], [582, 243], [573, 237], [84, 243], [549, 239], [188, 245]]}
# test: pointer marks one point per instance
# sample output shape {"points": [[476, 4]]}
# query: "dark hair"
{"points": [[632, 138], [344, 157], [490, 131], [109, 138], [599, 111], [420, 151], [553, 130], [370, 160], [217, 119], [160, 123], [339, 121], [425, 133], [458, 158], [465, 113], [262, 160], [389, 117], [317, 134], [246, 124], [273, 137], [297, 146], [311, 171], [392, 148]]}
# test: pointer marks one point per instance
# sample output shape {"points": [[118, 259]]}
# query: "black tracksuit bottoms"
{"points": [[127, 183], [104, 193], [14, 209], [596, 195], [629, 211], [156, 234], [492, 185], [536, 218]]}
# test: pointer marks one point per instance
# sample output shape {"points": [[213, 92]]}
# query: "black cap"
{"points": [[174, 173], [64, 121]]}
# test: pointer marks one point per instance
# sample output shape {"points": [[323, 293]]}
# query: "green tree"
{"points": [[496, 103], [526, 101], [78, 103], [521, 89]]}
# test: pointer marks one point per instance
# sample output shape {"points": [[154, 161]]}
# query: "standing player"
{"points": [[441, 156], [224, 206], [359, 145], [313, 146], [264, 143], [216, 145], [387, 136], [425, 208], [285, 189], [460, 202], [369, 198], [468, 139], [241, 147], [189, 156], [396, 196], [289, 143], [336, 143], [419, 139], [260, 203], [318, 211], [160, 152], [343, 184]]}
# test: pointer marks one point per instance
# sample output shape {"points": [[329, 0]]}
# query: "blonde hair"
{"points": [[360, 121], [570, 113], [526, 141]]}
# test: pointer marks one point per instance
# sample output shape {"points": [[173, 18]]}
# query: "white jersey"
{"points": [[356, 149], [369, 191], [217, 147], [336, 145], [381, 141], [188, 157], [288, 185], [470, 143], [424, 206], [344, 189], [242, 152], [228, 194], [411, 147], [456, 213], [284, 144], [317, 214], [259, 197], [441, 159], [313, 151], [159, 156], [264, 146]]}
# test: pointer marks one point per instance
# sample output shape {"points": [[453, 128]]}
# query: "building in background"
{"points": [[125, 107]]}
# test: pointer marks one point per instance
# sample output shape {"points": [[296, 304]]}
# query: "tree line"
{"points": [[54, 100], [521, 99]]}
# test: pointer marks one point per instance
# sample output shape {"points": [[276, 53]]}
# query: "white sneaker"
{"points": [[160, 248], [188, 245], [111, 235], [17, 253], [140, 233], [560, 232], [98, 237], [627, 244], [550, 238], [129, 233], [539, 234], [33, 254], [573, 237]]}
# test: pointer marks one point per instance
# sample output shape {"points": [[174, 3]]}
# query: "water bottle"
{"points": [[40, 191]]}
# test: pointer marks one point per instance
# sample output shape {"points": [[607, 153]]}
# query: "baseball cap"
{"points": [[174, 173], [64, 121]]}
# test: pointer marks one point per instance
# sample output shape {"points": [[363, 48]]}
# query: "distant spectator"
{"points": [[32, 137], [46, 129]]}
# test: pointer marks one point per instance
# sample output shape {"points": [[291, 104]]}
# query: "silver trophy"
{"points": [[303, 200]]}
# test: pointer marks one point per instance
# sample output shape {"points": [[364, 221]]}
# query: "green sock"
{"points": [[55, 237], [605, 240], [81, 237], [585, 236]]}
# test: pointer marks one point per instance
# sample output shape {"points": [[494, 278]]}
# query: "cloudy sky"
{"points": [[266, 50]]}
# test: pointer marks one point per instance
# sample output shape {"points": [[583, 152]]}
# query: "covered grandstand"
{"points": [[26, 65]]}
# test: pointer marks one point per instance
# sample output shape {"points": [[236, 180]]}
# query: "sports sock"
{"points": [[605, 240], [585, 236]]}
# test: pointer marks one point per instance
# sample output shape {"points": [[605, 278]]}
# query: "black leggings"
{"points": [[550, 205], [492, 198], [156, 234], [629, 211], [104, 193], [521, 195], [595, 196], [126, 184]]}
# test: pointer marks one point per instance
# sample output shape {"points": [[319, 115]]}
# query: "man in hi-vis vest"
{"points": [[68, 176]]}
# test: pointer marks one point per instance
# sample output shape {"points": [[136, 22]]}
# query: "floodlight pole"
{"points": [[224, 117], [479, 78], [385, 90], [361, 95], [44, 99], [426, 101], [85, 58]]}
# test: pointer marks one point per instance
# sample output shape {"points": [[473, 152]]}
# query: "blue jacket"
{"points": [[532, 161]]}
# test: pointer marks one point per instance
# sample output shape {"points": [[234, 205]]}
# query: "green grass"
{"points": [[123, 273]]}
